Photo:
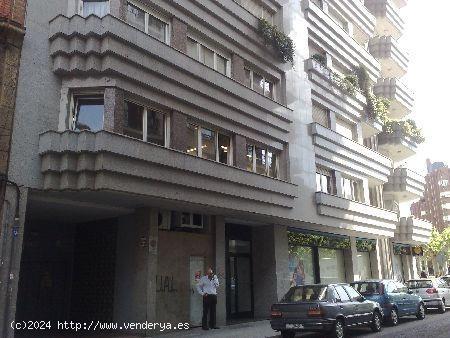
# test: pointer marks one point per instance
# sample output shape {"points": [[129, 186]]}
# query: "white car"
{"points": [[434, 292]]}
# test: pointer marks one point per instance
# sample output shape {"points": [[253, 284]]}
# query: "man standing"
{"points": [[207, 287]]}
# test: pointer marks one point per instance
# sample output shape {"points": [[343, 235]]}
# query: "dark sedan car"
{"points": [[394, 298], [328, 308]]}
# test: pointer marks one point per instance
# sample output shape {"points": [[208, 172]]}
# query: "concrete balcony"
{"points": [[394, 62], [334, 150], [413, 231], [389, 22], [362, 217], [363, 21], [324, 32], [401, 97], [109, 47], [325, 91], [118, 166], [370, 126], [396, 146], [404, 185]]}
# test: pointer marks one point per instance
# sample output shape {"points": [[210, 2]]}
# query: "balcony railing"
{"points": [[413, 231], [394, 62], [404, 185], [389, 22], [396, 145], [400, 96]]}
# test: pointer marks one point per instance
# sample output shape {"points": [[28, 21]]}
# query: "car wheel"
{"points": [[376, 322], [287, 334], [442, 306], [338, 329], [421, 312], [393, 318]]}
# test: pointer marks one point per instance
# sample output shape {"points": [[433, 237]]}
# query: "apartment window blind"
{"points": [[320, 116]]}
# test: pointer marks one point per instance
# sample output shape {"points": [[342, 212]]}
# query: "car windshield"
{"points": [[306, 293], [367, 288], [417, 284]]}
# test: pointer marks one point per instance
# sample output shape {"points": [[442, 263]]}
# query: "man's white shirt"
{"points": [[208, 286]]}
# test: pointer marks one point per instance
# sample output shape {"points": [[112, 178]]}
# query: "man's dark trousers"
{"points": [[209, 305]]}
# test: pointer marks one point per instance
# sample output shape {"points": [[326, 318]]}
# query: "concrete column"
{"points": [[350, 28], [332, 119], [237, 68], [366, 192], [406, 264], [178, 39], [118, 8], [351, 262], [178, 131], [114, 110], [12, 234], [328, 61], [284, 163], [148, 218], [375, 261], [270, 267], [359, 133], [240, 151], [338, 177], [221, 309]]}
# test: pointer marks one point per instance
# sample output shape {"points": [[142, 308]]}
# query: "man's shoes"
{"points": [[215, 327], [205, 328]]}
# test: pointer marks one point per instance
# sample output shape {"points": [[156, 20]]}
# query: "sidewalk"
{"points": [[258, 329]]}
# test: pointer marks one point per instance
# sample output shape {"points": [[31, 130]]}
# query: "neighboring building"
{"points": [[153, 138], [12, 30], [434, 206]]}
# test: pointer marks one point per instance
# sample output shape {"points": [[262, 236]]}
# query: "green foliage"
{"points": [[320, 59], [280, 42], [365, 245], [302, 239], [347, 83], [439, 243], [408, 128]]}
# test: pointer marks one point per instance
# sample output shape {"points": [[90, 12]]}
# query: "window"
{"points": [[353, 294], [95, 7], [376, 196], [325, 181], [191, 220], [209, 144], [306, 293], [256, 8], [351, 189], [87, 113], [343, 296], [262, 161], [145, 124], [207, 56], [367, 288], [147, 22], [345, 128], [390, 287], [320, 115], [259, 83]]}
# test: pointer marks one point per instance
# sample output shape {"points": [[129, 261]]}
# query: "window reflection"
{"points": [[88, 113], [155, 127], [133, 120], [208, 138]]}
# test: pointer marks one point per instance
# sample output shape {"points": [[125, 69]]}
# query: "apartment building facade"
{"points": [[434, 205], [168, 137]]}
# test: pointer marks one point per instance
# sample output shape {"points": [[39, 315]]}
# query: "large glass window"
{"points": [[352, 189], [301, 265], [207, 56], [88, 113], [342, 295], [331, 264], [145, 123], [259, 83], [325, 180], [262, 160], [209, 144], [95, 7], [147, 22]]}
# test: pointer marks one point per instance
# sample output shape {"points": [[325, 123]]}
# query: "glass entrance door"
{"points": [[239, 279]]}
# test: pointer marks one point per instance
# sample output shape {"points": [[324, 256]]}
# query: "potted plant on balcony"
{"points": [[281, 43]]}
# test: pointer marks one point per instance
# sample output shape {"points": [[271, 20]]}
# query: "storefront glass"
{"points": [[301, 265], [332, 269], [363, 265]]}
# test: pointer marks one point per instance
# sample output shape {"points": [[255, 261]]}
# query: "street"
{"points": [[434, 325]]}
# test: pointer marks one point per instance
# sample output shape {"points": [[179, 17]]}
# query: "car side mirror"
{"points": [[361, 299]]}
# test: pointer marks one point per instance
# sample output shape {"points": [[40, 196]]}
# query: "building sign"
{"points": [[417, 251], [402, 249]]}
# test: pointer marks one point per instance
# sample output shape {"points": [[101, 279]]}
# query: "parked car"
{"points": [[325, 308], [446, 280], [394, 297], [433, 291]]}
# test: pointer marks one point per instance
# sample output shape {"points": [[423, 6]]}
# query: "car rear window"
{"points": [[306, 293], [418, 284], [367, 288]]}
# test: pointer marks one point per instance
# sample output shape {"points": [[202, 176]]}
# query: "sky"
{"points": [[426, 38]]}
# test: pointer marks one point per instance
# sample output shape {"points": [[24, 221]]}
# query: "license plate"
{"points": [[294, 326]]}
